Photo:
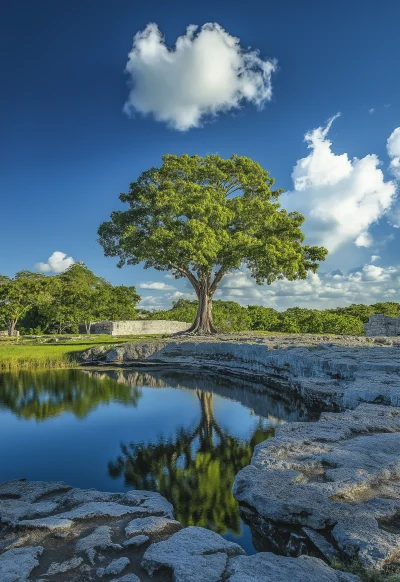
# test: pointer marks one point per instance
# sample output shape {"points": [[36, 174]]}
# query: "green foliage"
{"points": [[231, 317], [20, 294], [194, 470], [41, 303], [202, 218]]}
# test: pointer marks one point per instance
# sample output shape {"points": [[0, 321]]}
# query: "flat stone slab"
{"points": [[193, 554], [17, 564], [339, 476], [90, 535], [267, 567], [151, 525]]}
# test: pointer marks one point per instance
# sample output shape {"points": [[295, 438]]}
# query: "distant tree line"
{"points": [[37, 303], [230, 317]]}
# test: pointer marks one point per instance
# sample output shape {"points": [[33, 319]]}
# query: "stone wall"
{"points": [[382, 325], [139, 327], [4, 333]]}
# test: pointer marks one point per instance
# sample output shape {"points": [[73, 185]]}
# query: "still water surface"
{"points": [[113, 430]]}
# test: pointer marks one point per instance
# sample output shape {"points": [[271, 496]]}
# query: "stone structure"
{"points": [[52, 532], [4, 333], [139, 327], [382, 325]]}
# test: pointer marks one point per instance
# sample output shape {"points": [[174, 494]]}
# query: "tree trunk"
{"points": [[203, 324], [88, 325], [11, 327]]}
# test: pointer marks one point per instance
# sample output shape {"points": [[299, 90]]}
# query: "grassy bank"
{"points": [[25, 353]]}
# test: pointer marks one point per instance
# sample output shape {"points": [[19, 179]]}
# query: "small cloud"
{"points": [[57, 263], [372, 110], [364, 239], [157, 286], [387, 105], [375, 258], [206, 73]]}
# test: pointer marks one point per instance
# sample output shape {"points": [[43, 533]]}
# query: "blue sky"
{"points": [[68, 148]]}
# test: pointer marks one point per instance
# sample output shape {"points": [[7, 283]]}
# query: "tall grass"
{"points": [[32, 354]]}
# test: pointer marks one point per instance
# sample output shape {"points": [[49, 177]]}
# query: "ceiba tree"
{"points": [[202, 218]]}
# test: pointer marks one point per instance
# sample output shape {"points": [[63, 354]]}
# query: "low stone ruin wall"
{"points": [[382, 325], [139, 327], [4, 333]]}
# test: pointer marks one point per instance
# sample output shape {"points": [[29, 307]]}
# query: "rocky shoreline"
{"points": [[50, 531], [329, 488], [336, 374]]}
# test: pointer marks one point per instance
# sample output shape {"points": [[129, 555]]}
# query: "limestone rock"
{"points": [[193, 554], [51, 523], [151, 526], [136, 541], [98, 509], [17, 564], [127, 578], [340, 473], [115, 567], [99, 539], [267, 567], [71, 564]]}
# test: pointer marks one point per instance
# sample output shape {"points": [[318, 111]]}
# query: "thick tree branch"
{"points": [[218, 276]]}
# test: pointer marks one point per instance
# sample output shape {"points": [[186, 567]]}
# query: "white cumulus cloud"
{"points": [[156, 285], [340, 197], [367, 284], [206, 73], [393, 149], [58, 262]]}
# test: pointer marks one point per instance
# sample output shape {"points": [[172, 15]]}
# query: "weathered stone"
{"points": [[115, 567], [71, 564], [12, 510], [149, 502], [151, 526], [50, 523], [382, 325], [267, 567], [17, 564], [340, 473], [127, 578], [193, 554], [30, 491], [346, 372], [98, 509], [99, 539], [136, 541]]}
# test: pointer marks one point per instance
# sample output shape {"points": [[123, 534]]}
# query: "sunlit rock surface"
{"points": [[339, 477], [98, 541], [326, 371]]}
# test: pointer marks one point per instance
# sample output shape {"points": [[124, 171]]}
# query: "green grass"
{"points": [[24, 353], [371, 575]]}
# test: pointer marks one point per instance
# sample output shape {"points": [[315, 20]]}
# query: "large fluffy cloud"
{"points": [[366, 284], [206, 73], [340, 197], [57, 263]]}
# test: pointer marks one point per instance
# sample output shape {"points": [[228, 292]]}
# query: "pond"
{"points": [[185, 435]]}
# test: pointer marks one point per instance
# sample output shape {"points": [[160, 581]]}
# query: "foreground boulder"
{"points": [[336, 481], [49, 531]]}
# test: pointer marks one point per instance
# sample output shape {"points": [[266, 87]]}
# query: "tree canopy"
{"points": [[59, 303], [202, 218]]}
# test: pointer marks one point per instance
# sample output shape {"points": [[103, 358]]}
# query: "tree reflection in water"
{"points": [[46, 394], [194, 470]]}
